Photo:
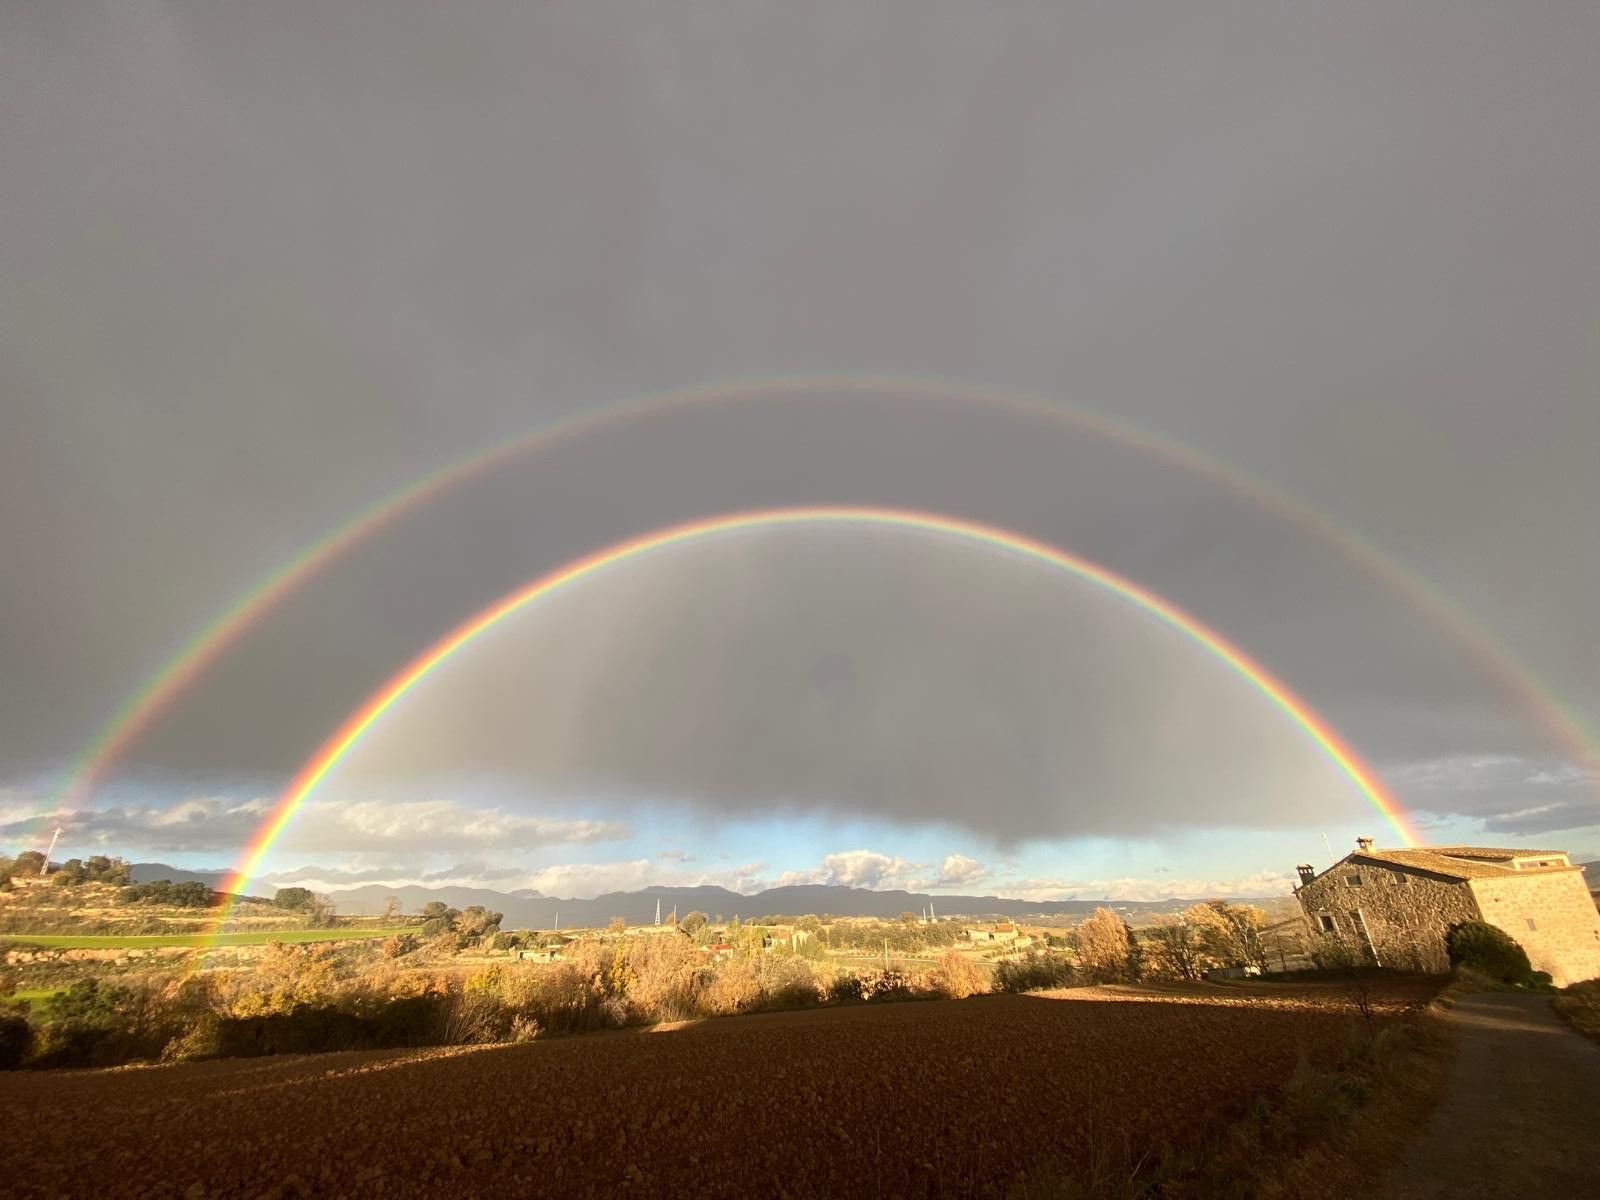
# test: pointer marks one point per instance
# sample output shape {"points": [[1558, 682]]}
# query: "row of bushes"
{"points": [[301, 999], [192, 894]]}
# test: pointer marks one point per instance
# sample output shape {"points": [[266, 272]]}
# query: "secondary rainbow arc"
{"points": [[350, 731]]}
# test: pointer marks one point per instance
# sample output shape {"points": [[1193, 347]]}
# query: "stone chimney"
{"points": [[1363, 844], [1307, 873]]}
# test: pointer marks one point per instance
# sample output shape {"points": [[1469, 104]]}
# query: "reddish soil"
{"points": [[922, 1099]]}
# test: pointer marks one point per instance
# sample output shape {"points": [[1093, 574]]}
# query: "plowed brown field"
{"points": [[924, 1099]]}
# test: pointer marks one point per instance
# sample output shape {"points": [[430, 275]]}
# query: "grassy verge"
{"points": [[115, 941], [1579, 1005]]}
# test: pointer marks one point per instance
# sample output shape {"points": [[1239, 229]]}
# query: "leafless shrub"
{"points": [[471, 1018]]}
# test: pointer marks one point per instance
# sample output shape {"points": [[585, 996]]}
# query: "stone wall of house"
{"points": [[1407, 914], [1551, 915]]}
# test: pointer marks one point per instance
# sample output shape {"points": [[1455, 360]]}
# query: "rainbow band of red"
{"points": [[362, 719], [158, 692]]}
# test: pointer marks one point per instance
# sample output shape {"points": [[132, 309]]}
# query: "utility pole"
{"points": [[54, 838], [658, 910]]}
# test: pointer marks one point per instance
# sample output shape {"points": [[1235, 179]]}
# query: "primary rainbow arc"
{"points": [[316, 768]]}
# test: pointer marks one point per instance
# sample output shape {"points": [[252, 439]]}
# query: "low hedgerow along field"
{"points": [[329, 996], [454, 978], [1095, 1092]]}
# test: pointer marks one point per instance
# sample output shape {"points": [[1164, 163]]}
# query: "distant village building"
{"points": [[780, 938], [1400, 904], [550, 947], [1005, 933]]}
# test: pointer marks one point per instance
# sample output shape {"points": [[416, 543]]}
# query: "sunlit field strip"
{"points": [[35, 995], [136, 941]]}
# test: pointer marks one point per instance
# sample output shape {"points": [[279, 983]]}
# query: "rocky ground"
{"points": [[922, 1099]]}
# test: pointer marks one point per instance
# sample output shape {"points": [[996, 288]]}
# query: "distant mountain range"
{"points": [[528, 909]]}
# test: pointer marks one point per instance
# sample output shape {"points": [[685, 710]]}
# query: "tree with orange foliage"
{"points": [[1103, 946]]}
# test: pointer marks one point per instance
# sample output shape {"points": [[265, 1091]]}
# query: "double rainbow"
{"points": [[178, 672]]}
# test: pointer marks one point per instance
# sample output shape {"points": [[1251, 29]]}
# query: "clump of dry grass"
{"points": [[1580, 1005], [956, 976]]}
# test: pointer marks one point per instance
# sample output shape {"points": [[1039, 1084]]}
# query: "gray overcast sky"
{"points": [[264, 263]]}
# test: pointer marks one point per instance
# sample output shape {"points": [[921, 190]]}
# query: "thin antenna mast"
{"points": [[54, 838]]}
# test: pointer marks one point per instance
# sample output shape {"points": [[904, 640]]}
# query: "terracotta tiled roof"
{"points": [[1499, 853], [1438, 864], [1454, 863]]}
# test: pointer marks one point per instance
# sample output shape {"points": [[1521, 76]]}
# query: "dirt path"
{"points": [[1521, 1113]]}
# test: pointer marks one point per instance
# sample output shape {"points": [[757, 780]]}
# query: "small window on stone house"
{"points": [[1326, 921], [1353, 879]]}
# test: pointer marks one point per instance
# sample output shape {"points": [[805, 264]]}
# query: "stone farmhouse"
{"points": [[1005, 933], [1399, 904]]}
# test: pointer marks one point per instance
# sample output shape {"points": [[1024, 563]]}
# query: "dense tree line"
{"points": [[97, 868], [163, 891], [903, 937], [463, 926], [317, 909]]}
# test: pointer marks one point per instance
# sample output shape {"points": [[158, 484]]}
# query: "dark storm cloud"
{"points": [[206, 825], [263, 265], [1507, 793]]}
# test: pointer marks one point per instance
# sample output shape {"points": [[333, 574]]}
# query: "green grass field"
{"points": [[36, 995], [118, 941]]}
